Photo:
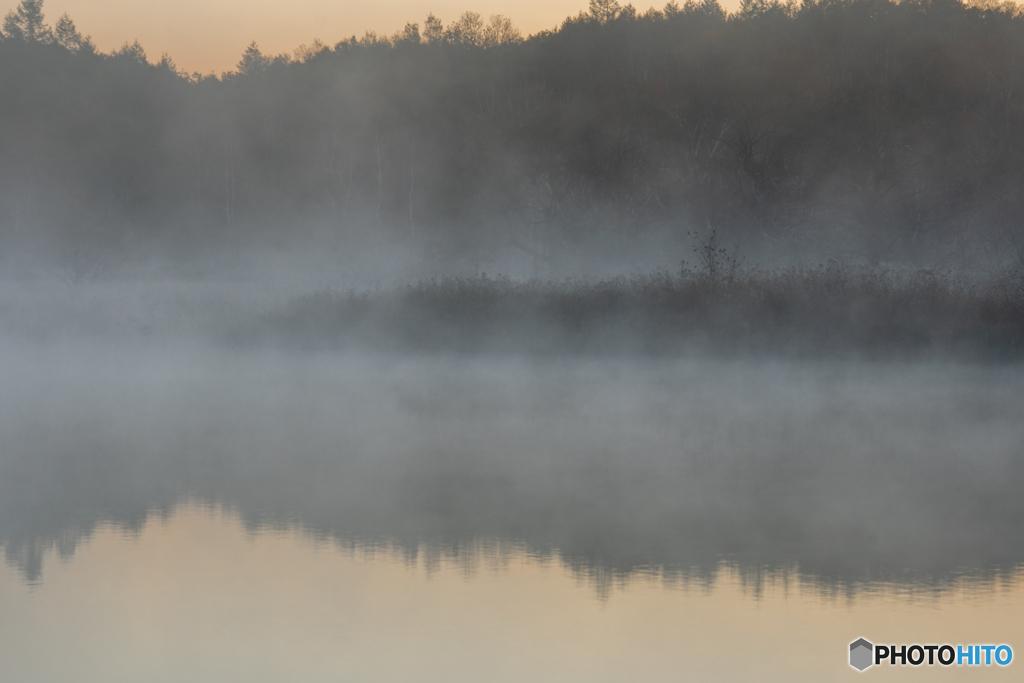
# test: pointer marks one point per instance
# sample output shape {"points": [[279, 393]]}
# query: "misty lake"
{"points": [[170, 513], [542, 343]]}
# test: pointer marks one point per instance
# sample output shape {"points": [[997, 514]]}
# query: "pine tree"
{"points": [[29, 20], [66, 34], [253, 61]]}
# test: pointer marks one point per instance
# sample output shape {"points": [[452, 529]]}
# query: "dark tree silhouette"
{"points": [[864, 129]]}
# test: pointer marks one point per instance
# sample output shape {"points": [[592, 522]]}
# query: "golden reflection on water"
{"points": [[197, 597]]}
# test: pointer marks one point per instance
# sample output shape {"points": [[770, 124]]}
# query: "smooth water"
{"points": [[175, 513]]}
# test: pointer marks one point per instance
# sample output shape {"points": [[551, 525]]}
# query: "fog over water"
{"points": [[847, 472]]}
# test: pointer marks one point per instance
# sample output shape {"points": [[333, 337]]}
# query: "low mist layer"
{"points": [[849, 473]]}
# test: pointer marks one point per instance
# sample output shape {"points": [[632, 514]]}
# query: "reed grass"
{"points": [[825, 310]]}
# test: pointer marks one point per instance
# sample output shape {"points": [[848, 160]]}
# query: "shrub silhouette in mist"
{"points": [[830, 309]]}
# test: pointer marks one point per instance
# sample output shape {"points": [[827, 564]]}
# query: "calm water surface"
{"points": [[172, 514]]}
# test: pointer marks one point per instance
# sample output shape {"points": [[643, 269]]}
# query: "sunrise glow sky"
{"points": [[209, 35]]}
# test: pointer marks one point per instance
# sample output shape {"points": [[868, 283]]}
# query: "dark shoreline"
{"points": [[867, 313]]}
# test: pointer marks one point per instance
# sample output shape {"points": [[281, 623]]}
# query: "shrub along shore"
{"points": [[824, 311]]}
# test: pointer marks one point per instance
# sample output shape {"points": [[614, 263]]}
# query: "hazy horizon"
{"points": [[211, 36]]}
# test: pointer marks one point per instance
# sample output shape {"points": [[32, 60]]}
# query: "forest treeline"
{"points": [[871, 130]]}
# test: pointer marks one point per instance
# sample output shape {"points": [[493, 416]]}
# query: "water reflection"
{"points": [[193, 596], [846, 476]]}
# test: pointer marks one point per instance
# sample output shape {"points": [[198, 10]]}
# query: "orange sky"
{"points": [[209, 35]]}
